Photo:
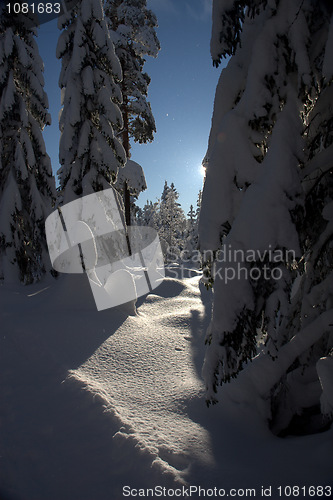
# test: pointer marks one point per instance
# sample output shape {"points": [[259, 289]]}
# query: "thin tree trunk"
{"points": [[126, 145], [127, 203]]}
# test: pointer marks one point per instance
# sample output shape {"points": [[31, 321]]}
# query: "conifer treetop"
{"points": [[90, 152], [132, 28]]}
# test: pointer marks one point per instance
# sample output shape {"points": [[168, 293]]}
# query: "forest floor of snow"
{"points": [[104, 406]]}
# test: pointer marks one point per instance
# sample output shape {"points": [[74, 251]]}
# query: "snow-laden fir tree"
{"points": [[27, 187], [198, 209], [191, 232], [172, 223], [195, 216], [191, 216], [266, 217], [132, 27], [149, 215], [166, 190], [90, 152]]}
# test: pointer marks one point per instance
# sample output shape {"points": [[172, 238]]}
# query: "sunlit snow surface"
{"points": [[147, 375], [93, 401]]}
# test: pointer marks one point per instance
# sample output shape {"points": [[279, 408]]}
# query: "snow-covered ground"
{"points": [[91, 402]]}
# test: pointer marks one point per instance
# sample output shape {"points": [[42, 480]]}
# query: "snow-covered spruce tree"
{"points": [[172, 223], [132, 27], [150, 215], [166, 190], [90, 153], [27, 187], [198, 209], [191, 232], [191, 216], [266, 217], [194, 217]]}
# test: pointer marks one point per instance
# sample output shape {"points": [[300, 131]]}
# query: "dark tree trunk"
{"points": [[127, 203], [126, 145]]}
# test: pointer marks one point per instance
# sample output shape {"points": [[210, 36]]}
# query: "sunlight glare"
{"points": [[201, 170]]}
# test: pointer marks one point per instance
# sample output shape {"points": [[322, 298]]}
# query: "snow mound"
{"points": [[145, 372], [132, 173]]}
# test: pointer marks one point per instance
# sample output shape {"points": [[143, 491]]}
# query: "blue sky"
{"points": [[181, 94]]}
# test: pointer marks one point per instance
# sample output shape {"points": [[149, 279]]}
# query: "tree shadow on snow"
{"points": [[61, 322], [199, 324]]}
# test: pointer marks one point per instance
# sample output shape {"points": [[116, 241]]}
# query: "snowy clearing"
{"points": [[93, 401]]}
